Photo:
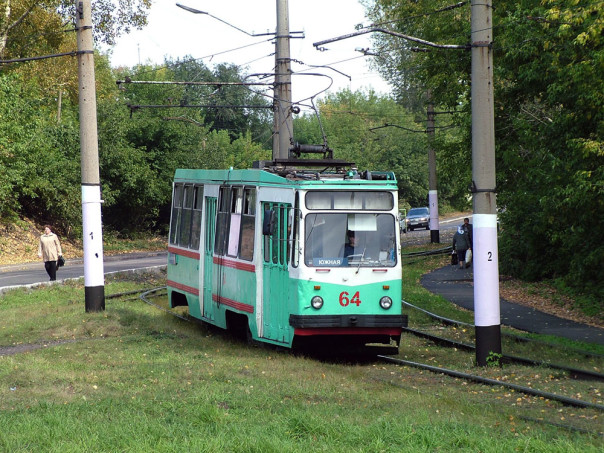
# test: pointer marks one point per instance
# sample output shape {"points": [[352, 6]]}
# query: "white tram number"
{"points": [[345, 300]]}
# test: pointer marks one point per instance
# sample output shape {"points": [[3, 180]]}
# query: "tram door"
{"points": [[208, 264], [275, 278]]}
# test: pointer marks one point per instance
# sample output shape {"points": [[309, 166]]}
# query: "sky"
{"points": [[174, 32]]}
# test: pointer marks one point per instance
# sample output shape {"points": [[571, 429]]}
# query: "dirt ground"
{"points": [[19, 243]]}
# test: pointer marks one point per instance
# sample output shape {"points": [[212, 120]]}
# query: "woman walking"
{"points": [[50, 250], [461, 243]]}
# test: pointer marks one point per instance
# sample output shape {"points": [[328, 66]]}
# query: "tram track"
{"points": [[494, 382], [568, 401], [147, 293], [506, 358], [575, 373], [516, 338]]}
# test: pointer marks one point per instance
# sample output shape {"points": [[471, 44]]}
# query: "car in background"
{"points": [[418, 218]]}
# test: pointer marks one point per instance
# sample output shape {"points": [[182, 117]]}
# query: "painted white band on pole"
{"points": [[486, 270], [433, 202], [93, 236]]}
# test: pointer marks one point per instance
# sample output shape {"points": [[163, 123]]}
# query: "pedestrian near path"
{"points": [[456, 286]]}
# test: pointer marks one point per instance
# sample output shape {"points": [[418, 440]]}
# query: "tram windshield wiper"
{"points": [[361, 260]]}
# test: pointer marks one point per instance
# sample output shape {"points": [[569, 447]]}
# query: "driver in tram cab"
{"points": [[349, 248]]}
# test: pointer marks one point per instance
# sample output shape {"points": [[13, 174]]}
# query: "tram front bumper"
{"points": [[348, 321]]}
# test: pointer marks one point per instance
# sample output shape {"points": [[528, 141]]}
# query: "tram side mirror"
{"points": [[268, 226]]}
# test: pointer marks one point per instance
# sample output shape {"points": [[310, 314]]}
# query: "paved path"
{"points": [[457, 286], [32, 274]]}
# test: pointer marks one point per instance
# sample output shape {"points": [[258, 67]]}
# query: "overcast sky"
{"points": [[174, 32]]}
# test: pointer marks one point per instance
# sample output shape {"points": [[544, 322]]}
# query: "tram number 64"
{"points": [[345, 300]]}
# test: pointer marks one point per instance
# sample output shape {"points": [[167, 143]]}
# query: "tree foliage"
{"points": [[29, 27], [377, 134], [143, 146], [549, 80], [38, 174], [139, 149], [550, 140]]}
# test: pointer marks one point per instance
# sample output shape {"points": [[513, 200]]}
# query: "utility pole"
{"points": [[432, 186], [283, 123], [94, 279], [485, 255]]}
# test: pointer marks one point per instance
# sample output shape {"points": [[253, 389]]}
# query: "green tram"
{"points": [[287, 256]]}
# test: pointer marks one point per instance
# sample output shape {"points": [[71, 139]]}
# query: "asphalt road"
{"points": [[446, 228], [32, 273]]}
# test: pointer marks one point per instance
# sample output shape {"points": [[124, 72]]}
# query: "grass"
{"points": [[135, 379], [113, 244]]}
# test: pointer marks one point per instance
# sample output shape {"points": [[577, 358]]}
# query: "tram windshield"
{"points": [[343, 239]]}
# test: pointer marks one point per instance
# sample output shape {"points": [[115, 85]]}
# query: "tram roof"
{"points": [[260, 177]]}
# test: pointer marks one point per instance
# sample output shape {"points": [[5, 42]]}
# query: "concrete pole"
{"points": [[432, 185], [283, 123], [485, 254], [94, 280]]}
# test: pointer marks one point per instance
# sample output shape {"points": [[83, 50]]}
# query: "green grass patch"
{"points": [[134, 378], [115, 244]]}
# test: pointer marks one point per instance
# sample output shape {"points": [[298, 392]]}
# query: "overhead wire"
{"points": [[212, 55], [301, 101]]}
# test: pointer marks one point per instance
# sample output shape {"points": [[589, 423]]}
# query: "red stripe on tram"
{"points": [[247, 267], [233, 303], [188, 289], [184, 252]]}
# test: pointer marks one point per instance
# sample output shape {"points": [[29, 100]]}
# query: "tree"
{"points": [[377, 134], [30, 26], [140, 149], [413, 69], [549, 79], [234, 120], [13, 107], [550, 147], [221, 104], [39, 159]]}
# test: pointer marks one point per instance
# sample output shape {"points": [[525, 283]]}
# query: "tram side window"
{"points": [[222, 220], [280, 239], [235, 221], [296, 236], [277, 247], [186, 216], [176, 212], [248, 221], [196, 226]]}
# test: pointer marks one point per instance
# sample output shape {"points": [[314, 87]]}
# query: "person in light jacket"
{"points": [[461, 243], [50, 250]]}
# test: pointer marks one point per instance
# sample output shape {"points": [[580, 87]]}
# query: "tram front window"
{"points": [[340, 240]]}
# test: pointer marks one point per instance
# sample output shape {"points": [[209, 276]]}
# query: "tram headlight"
{"points": [[316, 302], [385, 302]]}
